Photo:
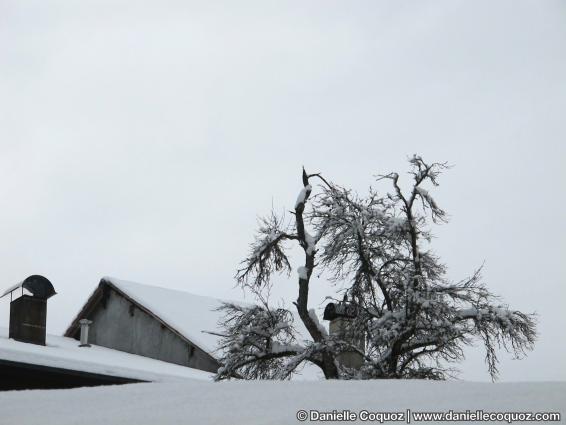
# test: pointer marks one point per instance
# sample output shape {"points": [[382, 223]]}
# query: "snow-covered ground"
{"points": [[200, 402]]}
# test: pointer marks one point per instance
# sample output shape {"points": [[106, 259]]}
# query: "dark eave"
{"points": [[19, 376]]}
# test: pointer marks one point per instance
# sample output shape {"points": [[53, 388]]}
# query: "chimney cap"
{"points": [[39, 286], [340, 309]]}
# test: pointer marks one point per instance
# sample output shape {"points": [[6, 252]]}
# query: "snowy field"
{"points": [[202, 403]]}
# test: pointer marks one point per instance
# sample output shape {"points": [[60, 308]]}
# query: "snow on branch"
{"points": [[267, 254], [314, 318], [438, 214], [422, 171], [303, 194], [499, 326], [255, 341]]}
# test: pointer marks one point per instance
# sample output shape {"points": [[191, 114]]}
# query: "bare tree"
{"points": [[377, 247]]}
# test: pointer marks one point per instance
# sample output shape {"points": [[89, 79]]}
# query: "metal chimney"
{"points": [[84, 332], [28, 313]]}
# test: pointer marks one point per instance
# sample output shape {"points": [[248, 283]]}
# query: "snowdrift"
{"points": [[200, 402]]}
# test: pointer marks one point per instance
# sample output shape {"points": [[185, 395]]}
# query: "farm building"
{"points": [[164, 324]]}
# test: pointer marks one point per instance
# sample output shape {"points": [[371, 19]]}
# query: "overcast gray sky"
{"points": [[142, 139]]}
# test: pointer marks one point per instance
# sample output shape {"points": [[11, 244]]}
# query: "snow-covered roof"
{"points": [[65, 353], [11, 289], [37, 285], [191, 316]]}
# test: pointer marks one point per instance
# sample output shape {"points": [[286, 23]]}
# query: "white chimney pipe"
{"points": [[84, 332]]}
